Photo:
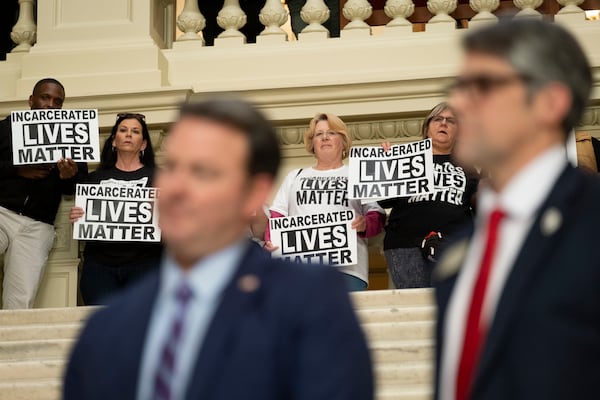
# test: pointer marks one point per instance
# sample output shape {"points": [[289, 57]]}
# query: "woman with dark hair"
{"points": [[127, 159], [418, 224]]}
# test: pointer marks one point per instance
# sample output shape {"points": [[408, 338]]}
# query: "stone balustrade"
{"points": [[389, 65], [273, 15]]}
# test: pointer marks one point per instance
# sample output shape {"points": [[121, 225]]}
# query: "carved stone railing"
{"points": [[25, 30], [358, 18], [388, 67]]}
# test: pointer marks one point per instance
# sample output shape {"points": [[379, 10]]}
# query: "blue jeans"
{"points": [[99, 281]]}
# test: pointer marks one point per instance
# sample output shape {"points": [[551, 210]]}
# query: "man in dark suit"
{"points": [[519, 298], [222, 320]]}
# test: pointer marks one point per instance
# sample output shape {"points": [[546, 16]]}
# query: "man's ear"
{"points": [[259, 189], [30, 102], [552, 104]]}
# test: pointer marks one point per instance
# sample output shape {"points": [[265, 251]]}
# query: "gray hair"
{"points": [[542, 53], [435, 111]]}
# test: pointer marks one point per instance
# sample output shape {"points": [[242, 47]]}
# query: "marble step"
{"points": [[67, 330], [25, 389], [418, 392], [35, 349], [392, 298], [49, 389], [384, 351], [395, 314], [39, 316], [51, 368], [406, 373], [397, 352], [414, 373], [412, 330]]}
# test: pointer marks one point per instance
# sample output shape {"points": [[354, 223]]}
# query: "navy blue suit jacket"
{"points": [[295, 337], [544, 340]]}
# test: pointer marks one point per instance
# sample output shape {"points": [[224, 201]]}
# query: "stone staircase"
{"points": [[399, 325], [34, 345]]}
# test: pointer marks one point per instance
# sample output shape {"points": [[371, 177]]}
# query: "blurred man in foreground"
{"points": [[519, 298], [222, 320]]}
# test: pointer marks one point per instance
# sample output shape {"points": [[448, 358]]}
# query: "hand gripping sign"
{"points": [[46, 136], [316, 238], [117, 213], [405, 170]]}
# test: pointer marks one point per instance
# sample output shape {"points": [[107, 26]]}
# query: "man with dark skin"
{"points": [[29, 199]]}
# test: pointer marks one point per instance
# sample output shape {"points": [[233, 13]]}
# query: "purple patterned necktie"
{"points": [[164, 372]]}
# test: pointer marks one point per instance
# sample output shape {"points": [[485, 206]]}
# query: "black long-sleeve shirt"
{"points": [[412, 218], [35, 198]]}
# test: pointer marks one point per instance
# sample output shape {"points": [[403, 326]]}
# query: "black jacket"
{"points": [[35, 198], [544, 339]]}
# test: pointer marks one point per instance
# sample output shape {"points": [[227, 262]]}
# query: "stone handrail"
{"points": [[356, 14]]}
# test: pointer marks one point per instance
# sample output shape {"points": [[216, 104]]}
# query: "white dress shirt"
{"points": [[520, 200], [207, 279]]}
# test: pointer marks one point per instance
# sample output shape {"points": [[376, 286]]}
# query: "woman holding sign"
{"points": [[127, 159], [323, 189], [418, 224]]}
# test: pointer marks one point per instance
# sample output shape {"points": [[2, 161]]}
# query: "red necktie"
{"points": [[475, 332]]}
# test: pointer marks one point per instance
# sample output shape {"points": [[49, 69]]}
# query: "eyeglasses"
{"points": [[438, 119], [483, 84], [131, 115], [321, 134]]}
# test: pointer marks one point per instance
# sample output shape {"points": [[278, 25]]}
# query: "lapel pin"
{"points": [[551, 221], [248, 283]]}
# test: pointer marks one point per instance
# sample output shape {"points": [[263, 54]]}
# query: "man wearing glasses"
{"points": [[519, 298]]}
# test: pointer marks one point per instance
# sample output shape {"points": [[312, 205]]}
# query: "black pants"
{"points": [[99, 281]]}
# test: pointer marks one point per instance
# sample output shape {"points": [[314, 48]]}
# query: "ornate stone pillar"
{"points": [[528, 8], [314, 13], [399, 11], [441, 10], [484, 9], [24, 32], [190, 21], [357, 11], [571, 12], [272, 16], [231, 18]]}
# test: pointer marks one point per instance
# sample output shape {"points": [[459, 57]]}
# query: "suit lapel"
{"points": [[445, 275], [135, 324], [236, 299], [543, 236]]}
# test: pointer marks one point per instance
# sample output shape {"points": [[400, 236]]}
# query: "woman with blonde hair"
{"points": [[323, 188], [418, 224]]}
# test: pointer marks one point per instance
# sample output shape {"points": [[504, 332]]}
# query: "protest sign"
{"points": [[116, 213], [46, 136], [405, 170], [316, 238], [449, 185]]}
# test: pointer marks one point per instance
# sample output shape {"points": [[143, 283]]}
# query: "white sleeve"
{"points": [[281, 202], [367, 207]]}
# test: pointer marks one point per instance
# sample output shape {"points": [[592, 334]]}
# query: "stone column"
{"points": [[24, 31]]}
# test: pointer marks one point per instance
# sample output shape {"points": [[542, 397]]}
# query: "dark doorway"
{"points": [[9, 12]]}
